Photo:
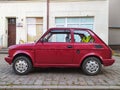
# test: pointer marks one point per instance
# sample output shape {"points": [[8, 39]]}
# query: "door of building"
{"points": [[11, 31]]}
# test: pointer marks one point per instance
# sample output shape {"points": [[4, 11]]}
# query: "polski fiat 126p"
{"points": [[62, 47]]}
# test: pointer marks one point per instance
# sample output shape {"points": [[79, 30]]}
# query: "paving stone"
{"points": [[110, 76], [62, 83], [38, 82], [56, 78], [54, 82], [70, 83], [2, 83], [90, 83], [47, 83]]}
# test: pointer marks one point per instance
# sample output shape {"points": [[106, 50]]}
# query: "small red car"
{"points": [[62, 47]]}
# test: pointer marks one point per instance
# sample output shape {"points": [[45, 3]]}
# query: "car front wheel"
{"points": [[91, 66], [22, 65]]}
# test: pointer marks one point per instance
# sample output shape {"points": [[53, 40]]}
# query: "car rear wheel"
{"points": [[22, 65], [91, 66]]}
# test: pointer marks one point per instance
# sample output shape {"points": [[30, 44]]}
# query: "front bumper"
{"points": [[8, 59], [108, 62]]}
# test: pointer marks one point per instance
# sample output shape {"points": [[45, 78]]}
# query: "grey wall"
{"points": [[114, 37], [114, 13]]}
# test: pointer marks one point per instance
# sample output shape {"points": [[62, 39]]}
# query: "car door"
{"points": [[55, 49], [83, 44]]}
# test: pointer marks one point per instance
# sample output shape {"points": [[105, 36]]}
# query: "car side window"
{"points": [[58, 36], [82, 36]]}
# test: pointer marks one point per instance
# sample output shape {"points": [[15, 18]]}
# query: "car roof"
{"points": [[56, 28]]}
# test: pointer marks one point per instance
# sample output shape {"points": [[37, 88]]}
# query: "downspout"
{"points": [[48, 2]]}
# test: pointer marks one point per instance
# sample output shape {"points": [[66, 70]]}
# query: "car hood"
{"points": [[27, 46]]}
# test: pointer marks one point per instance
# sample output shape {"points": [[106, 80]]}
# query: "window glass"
{"points": [[86, 20], [11, 21], [31, 20], [75, 22], [34, 28], [60, 25], [72, 20], [90, 26], [73, 25], [82, 36], [58, 36], [60, 20], [77, 38]]}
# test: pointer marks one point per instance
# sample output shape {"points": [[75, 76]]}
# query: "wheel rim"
{"points": [[92, 66], [21, 66]]}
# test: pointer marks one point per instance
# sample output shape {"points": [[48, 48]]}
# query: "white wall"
{"points": [[96, 8], [84, 8], [20, 10]]}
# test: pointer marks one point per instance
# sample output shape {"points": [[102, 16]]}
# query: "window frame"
{"points": [[84, 35], [78, 24], [29, 23], [58, 31]]}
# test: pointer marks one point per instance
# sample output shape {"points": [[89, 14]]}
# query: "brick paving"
{"points": [[110, 76]]}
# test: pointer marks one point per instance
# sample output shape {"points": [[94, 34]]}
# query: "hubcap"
{"points": [[21, 66], [92, 66]]}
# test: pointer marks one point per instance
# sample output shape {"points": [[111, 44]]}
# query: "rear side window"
{"points": [[82, 36]]}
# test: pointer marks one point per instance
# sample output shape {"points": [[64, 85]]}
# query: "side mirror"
{"points": [[43, 40]]}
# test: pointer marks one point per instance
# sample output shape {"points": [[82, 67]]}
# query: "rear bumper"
{"points": [[8, 60], [108, 62]]}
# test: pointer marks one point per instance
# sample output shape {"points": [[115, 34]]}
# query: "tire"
{"points": [[22, 65], [91, 66]]}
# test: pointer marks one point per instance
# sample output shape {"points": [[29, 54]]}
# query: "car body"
{"points": [[62, 47]]}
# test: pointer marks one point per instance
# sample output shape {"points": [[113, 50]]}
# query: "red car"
{"points": [[62, 47]]}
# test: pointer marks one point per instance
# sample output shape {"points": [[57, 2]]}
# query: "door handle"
{"points": [[69, 46], [78, 51]]}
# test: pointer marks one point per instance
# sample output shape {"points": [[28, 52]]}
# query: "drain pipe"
{"points": [[48, 2]]}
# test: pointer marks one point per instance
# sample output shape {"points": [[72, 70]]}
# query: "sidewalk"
{"points": [[61, 79], [116, 53]]}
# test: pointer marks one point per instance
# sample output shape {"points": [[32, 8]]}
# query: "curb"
{"points": [[59, 87], [117, 54], [4, 51], [1, 52]]}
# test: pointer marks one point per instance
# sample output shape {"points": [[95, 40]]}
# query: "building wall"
{"points": [[20, 10], [114, 24], [114, 41], [97, 9], [83, 8], [114, 14], [114, 36]]}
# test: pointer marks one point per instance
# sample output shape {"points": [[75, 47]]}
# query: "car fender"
{"points": [[25, 52], [89, 55]]}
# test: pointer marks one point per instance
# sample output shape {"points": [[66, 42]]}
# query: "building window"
{"points": [[83, 22], [34, 28], [11, 20]]}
